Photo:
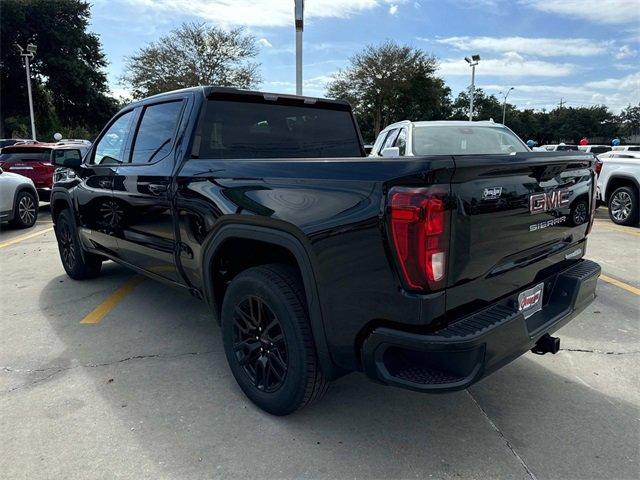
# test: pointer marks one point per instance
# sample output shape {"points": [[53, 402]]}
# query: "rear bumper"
{"points": [[462, 353]]}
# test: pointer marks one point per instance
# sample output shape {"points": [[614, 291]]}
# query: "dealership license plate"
{"points": [[530, 301]]}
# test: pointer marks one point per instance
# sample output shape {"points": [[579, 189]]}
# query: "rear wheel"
{"points": [[268, 341], [78, 263], [25, 210], [623, 206]]}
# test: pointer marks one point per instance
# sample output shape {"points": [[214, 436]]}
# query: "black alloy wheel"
{"points": [[78, 263], [66, 246], [259, 344], [268, 340]]}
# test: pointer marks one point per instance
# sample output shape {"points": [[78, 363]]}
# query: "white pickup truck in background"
{"points": [[619, 185]]}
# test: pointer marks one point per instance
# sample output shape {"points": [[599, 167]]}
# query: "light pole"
{"points": [[299, 11], [504, 104], [31, 51], [473, 61]]}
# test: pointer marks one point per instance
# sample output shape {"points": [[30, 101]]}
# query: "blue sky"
{"points": [[586, 52]]}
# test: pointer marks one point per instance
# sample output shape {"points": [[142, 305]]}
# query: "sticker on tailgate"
{"points": [[530, 301]]}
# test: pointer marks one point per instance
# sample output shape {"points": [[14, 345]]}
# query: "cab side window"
{"points": [[111, 147], [156, 131], [401, 142], [391, 138]]}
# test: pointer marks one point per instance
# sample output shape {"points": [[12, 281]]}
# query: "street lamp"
{"points": [[473, 61], [31, 51], [299, 11], [504, 104]]}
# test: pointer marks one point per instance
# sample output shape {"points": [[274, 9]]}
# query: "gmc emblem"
{"points": [[542, 202]]}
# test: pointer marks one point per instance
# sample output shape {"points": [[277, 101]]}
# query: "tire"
{"points": [[25, 210], [268, 341], [78, 263], [623, 206]]}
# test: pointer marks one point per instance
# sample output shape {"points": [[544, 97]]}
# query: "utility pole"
{"points": [[473, 61], [562, 102], [299, 14], [504, 105], [31, 51]]}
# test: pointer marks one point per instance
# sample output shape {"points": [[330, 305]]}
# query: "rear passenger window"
{"points": [[156, 131]]}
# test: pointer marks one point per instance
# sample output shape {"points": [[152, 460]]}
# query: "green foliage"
{"points": [[389, 83], [191, 55], [68, 81]]}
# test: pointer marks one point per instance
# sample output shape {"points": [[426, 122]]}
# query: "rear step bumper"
{"points": [[460, 354]]}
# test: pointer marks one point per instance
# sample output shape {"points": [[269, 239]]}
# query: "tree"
{"points": [[191, 55], [485, 106], [388, 83], [68, 80], [629, 120]]}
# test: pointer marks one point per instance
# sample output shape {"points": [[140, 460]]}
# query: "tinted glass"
{"points": [[255, 130], [634, 149], [110, 148], [26, 155], [464, 140], [155, 134], [597, 150], [566, 148]]}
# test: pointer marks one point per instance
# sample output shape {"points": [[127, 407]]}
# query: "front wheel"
{"points": [[78, 263], [623, 206], [268, 341]]}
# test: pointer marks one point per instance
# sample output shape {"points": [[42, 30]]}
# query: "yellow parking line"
{"points": [[109, 304], [620, 284], [24, 237], [615, 228]]}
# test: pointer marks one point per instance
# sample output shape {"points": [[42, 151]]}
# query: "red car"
{"points": [[34, 161]]}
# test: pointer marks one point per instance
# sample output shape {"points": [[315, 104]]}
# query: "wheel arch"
{"points": [[23, 187], [284, 241], [618, 180]]}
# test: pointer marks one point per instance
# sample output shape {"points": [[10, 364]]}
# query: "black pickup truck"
{"points": [[425, 273]]}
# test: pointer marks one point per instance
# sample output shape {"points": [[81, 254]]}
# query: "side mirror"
{"points": [[68, 158], [390, 152], [367, 149]]}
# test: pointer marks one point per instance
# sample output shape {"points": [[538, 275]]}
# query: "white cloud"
{"points": [[511, 64], [625, 51], [543, 47], [631, 82], [393, 9], [597, 11], [258, 13], [265, 43], [615, 93]]}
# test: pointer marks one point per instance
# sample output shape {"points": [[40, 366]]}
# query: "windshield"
{"points": [[26, 155], [235, 129], [465, 140]]}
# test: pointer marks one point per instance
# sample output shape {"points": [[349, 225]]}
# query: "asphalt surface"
{"points": [[146, 392]]}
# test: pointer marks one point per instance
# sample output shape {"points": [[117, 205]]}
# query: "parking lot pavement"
{"points": [[145, 392]]}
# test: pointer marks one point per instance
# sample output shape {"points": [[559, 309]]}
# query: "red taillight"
{"points": [[597, 167], [419, 230]]}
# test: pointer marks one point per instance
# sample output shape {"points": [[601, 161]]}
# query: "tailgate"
{"points": [[517, 218]]}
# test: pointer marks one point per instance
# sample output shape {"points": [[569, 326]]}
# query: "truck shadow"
{"points": [[157, 362]]}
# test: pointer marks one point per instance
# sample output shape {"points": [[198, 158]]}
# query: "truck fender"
{"points": [[297, 248]]}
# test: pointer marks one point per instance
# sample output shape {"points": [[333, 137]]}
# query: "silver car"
{"points": [[18, 200]]}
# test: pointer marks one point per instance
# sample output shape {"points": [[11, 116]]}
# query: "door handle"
{"points": [[157, 188]]}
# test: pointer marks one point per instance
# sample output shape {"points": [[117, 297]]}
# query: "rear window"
{"points": [[566, 148], [634, 149], [598, 150], [233, 129], [464, 140], [26, 155]]}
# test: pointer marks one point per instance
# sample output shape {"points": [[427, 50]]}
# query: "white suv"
{"points": [[619, 185]]}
